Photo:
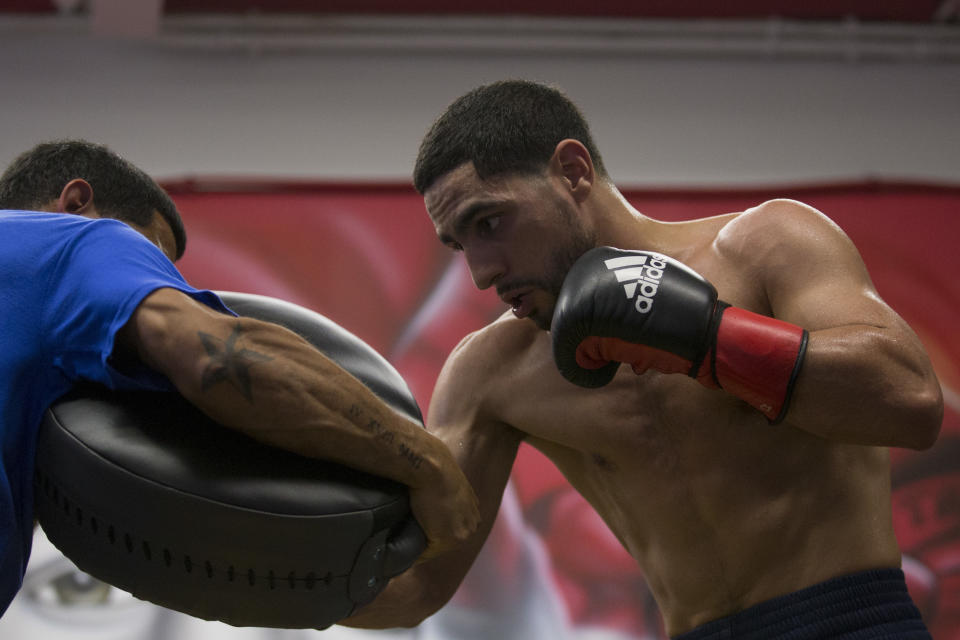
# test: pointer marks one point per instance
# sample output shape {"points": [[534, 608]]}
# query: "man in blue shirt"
{"points": [[88, 291]]}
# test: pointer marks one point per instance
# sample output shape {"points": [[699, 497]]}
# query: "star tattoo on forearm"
{"points": [[229, 362]]}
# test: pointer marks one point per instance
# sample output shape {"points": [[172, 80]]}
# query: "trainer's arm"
{"points": [[485, 449], [866, 378], [274, 386]]}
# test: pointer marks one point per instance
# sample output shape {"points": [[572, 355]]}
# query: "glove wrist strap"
{"points": [[757, 359]]}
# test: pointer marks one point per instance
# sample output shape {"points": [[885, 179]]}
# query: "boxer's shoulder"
{"points": [[483, 374], [498, 345], [495, 352], [768, 226], [765, 239]]}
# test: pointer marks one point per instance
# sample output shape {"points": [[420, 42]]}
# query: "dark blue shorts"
{"points": [[873, 605]]}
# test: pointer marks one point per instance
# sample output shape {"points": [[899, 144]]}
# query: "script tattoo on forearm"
{"points": [[408, 453], [229, 362], [382, 434]]}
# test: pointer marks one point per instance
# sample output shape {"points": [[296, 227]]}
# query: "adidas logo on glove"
{"points": [[641, 274], [749, 355]]}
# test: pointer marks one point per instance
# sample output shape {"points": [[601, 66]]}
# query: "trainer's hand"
{"points": [[654, 312], [447, 510]]}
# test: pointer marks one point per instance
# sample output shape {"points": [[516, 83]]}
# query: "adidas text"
{"points": [[640, 275]]}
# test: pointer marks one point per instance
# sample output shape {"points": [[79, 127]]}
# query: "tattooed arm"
{"points": [[273, 385]]}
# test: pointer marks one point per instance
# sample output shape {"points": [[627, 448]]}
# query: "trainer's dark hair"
{"points": [[121, 190], [511, 126]]}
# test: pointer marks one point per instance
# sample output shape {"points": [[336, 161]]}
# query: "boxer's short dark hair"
{"points": [[511, 126]]}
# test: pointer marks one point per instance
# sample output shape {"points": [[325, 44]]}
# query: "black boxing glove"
{"points": [[654, 312]]}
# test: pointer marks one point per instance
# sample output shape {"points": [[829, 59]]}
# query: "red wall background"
{"points": [[366, 256]]}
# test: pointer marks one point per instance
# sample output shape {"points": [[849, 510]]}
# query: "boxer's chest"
{"points": [[655, 422]]}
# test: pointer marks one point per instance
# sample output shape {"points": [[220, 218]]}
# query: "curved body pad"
{"points": [[143, 491]]}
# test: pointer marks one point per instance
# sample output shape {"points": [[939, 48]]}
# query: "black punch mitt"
{"points": [[144, 492]]}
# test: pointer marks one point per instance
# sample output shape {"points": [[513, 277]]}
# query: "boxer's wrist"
{"points": [[756, 358]]}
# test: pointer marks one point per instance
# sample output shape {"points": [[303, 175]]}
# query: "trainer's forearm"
{"points": [[271, 384], [289, 395]]}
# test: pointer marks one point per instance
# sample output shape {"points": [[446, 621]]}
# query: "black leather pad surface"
{"points": [[143, 491]]}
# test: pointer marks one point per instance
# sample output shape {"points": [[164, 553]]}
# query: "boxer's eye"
{"points": [[487, 225]]}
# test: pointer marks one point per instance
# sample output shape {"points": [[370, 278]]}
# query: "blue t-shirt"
{"points": [[67, 285]]}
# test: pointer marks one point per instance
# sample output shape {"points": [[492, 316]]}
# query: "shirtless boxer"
{"points": [[742, 458]]}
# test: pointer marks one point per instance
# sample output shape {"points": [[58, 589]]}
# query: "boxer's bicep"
{"points": [[463, 415], [813, 274], [860, 353], [457, 418], [820, 282]]}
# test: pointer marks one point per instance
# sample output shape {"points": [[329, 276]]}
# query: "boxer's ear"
{"points": [[573, 163]]}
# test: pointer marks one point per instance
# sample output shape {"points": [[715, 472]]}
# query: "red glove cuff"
{"points": [[757, 359], [753, 357]]}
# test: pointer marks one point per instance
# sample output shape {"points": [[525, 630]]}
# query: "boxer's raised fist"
{"points": [[654, 312]]}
